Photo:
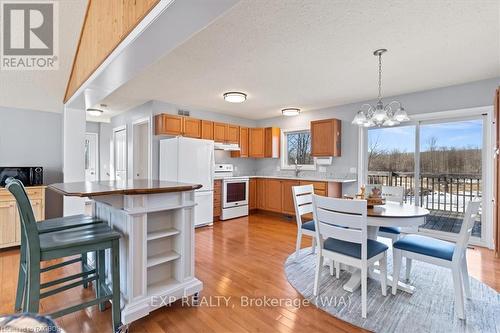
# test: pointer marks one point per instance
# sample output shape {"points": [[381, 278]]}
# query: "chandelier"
{"points": [[380, 115]]}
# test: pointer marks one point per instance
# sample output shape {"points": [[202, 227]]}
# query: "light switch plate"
{"points": [[278, 168], [322, 169], [352, 170]]}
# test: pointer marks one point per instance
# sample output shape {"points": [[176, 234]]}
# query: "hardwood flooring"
{"points": [[234, 259]]}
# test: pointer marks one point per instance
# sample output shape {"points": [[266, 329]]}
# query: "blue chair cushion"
{"points": [[354, 249], [390, 230], [426, 245], [309, 225]]}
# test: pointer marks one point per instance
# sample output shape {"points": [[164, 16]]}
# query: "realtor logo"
{"points": [[29, 35]]}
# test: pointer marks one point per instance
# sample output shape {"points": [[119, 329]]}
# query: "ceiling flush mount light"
{"points": [[289, 112], [235, 97], [380, 114], [95, 112]]}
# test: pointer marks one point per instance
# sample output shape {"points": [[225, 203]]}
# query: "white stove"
{"points": [[234, 192]]}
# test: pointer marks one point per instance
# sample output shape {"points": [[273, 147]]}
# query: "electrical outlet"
{"points": [[352, 170], [322, 169], [278, 168]]}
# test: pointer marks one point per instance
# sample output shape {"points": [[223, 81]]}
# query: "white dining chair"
{"points": [[441, 253], [302, 200], [394, 194], [341, 234]]}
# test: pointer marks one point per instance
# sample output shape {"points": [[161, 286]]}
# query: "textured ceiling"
{"points": [[44, 90], [313, 54]]}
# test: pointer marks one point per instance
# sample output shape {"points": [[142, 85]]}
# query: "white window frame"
{"points": [[284, 165]]}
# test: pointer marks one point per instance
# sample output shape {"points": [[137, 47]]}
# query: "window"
{"points": [[296, 149]]}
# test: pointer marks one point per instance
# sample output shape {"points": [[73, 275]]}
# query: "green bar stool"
{"points": [[64, 243], [51, 225]]}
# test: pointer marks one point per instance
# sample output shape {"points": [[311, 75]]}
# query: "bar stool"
{"points": [[51, 225], [64, 243]]}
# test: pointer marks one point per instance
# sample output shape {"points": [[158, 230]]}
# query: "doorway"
{"points": [[120, 153], [441, 161], [141, 149], [91, 157]]}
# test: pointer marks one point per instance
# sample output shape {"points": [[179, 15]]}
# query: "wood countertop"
{"points": [[125, 187]]}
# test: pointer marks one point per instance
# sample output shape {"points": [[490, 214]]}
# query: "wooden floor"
{"points": [[234, 259]]}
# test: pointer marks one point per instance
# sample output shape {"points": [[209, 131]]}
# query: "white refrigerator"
{"points": [[189, 160]]}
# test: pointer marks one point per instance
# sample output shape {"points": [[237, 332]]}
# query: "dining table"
{"points": [[391, 214]]}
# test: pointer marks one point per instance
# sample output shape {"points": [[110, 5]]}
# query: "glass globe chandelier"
{"points": [[380, 115]]}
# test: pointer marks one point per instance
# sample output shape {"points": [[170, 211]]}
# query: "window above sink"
{"points": [[296, 149]]}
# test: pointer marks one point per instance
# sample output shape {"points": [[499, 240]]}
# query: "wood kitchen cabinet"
{"points": [[243, 152], [256, 143], [272, 142], [220, 130], [217, 199], [326, 137], [168, 124], [273, 195], [287, 205], [10, 226], [233, 134], [261, 193], [191, 127], [252, 194], [207, 130]]}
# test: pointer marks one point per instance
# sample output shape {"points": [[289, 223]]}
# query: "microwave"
{"points": [[29, 176]]}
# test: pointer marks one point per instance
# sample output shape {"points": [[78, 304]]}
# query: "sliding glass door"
{"points": [[451, 165], [439, 163]]}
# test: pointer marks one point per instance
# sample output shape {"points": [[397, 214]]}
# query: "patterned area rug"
{"points": [[429, 309]]}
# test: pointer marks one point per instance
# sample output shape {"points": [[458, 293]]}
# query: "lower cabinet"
{"points": [[275, 195], [10, 225], [217, 199]]}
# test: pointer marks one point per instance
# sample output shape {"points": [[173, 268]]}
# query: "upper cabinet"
{"points": [[326, 137], [264, 142], [243, 152], [168, 124], [192, 128], [207, 129], [233, 134], [220, 132]]}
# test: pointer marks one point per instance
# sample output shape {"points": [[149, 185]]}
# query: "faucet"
{"points": [[297, 169]]}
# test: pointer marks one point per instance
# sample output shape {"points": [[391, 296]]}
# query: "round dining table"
{"points": [[391, 214]]}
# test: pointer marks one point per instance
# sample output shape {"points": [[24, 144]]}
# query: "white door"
{"points": [[120, 153], [91, 157], [141, 150]]}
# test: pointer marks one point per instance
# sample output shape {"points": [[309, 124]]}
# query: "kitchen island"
{"points": [[156, 220]]}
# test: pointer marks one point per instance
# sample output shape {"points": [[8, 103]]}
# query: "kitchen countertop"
{"points": [[125, 187], [312, 179]]}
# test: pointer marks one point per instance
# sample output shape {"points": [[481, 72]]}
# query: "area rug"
{"points": [[429, 309]]}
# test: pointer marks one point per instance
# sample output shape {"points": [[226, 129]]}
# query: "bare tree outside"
{"points": [[299, 148]]}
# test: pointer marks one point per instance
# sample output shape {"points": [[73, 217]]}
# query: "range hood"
{"points": [[226, 146]]}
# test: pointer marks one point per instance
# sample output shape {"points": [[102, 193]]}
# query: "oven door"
{"points": [[234, 193]]}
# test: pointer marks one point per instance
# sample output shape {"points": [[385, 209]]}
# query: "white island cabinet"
{"points": [[156, 221]]}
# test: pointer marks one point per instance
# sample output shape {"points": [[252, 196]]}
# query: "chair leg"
{"points": [[465, 277], [21, 280], [408, 269], [116, 314], [33, 288], [84, 264], [337, 269], [332, 264], [313, 248], [364, 283], [101, 273], [319, 264], [383, 274], [297, 245], [396, 269], [459, 295]]}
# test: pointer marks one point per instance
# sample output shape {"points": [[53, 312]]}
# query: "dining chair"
{"points": [[441, 253], [341, 234], [394, 194], [61, 244], [47, 226], [302, 200]]}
